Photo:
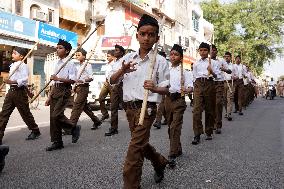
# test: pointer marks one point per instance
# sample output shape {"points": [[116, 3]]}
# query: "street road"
{"points": [[248, 154]]}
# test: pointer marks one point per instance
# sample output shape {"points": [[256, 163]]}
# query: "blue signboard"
{"points": [[17, 26], [50, 35]]}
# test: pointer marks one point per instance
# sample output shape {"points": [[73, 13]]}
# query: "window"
{"points": [[195, 21], [33, 11], [50, 16], [19, 7]]}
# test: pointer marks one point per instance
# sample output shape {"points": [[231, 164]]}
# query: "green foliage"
{"points": [[253, 28]]}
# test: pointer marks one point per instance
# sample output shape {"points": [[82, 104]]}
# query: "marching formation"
{"points": [[213, 83]]}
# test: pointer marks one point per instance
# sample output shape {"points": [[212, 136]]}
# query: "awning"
{"points": [[6, 40]]}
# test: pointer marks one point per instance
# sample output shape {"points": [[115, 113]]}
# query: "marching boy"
{"points": [[17, 96], [175, 102]]}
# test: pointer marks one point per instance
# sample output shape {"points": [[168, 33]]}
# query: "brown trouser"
{"points": [[139, 147], [17, 98], [239, 94], [203, 99], [175, 108], [58, 121], [80, 104], [115, 100], [105, 90], [219, 99], [161, 110], [228, 96]]}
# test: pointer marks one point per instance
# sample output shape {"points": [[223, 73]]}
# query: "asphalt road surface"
{"points": [[248, 154]]}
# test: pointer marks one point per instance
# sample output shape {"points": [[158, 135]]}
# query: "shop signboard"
{"points": [[17, 26], [124, 41], [50, 35]]}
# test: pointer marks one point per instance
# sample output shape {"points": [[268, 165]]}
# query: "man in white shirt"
{"points": [[220, 68], [84, 77], [17, 95], [239, 85], [116, 92], [134, 71], [58, 98], [229, 87], [106, 89]]}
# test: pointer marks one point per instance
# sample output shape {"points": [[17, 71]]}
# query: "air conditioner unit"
{"points": [[39, 15]]}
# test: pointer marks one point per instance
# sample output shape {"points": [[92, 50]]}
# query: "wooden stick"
{"points": [[70, 57], [149, 77], [181, 79], [22, 61]]}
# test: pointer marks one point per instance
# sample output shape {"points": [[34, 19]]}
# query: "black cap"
{"points": [[204, 45], [81, 50], [65, 44], [21, 51], [147, 20], [120, 47], [162, 53], [228, 53], [178, 48], [214, 47]]}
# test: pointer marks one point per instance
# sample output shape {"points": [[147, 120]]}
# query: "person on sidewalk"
{"points": [[106, 89], [203, 95], [82, 90], [116, 92], [133, 71], [58, 98], [175, 104], [17, 96]]}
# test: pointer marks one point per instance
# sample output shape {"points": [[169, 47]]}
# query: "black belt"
{"points": [[138, 104], [65, 85], [204, 79], [83, 85], [175, 96], [15, 87]]}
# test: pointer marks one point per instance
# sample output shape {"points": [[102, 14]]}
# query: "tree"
{"points": [[253, 28]]}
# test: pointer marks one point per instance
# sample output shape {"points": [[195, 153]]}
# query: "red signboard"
{"points": [[124, 41], [133, 17], [188, 59]]}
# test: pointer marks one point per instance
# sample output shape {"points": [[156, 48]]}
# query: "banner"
{"points": [[124, 41], [50, 35], [17, 26]]}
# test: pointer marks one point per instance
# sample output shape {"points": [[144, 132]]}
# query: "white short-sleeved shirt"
{"points": [[217, 65], [21, 75], [133, 82], [68, 72], [240, 71], [231, 67], [200, 68], [175, 79], [86, 74]]}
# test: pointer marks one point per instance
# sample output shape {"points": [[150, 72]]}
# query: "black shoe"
{"points": [[218, 131], [1, 142], [172, 161], [230, 118], [165, 122], [76, 133], [33, 135], [157, 124], [236, 111], [96, 125], [111, 132], [55, 146], [159, 174], [196, 140], [241, 113], [104, 117], [3, 152], [208, 137], [179, 153]]}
